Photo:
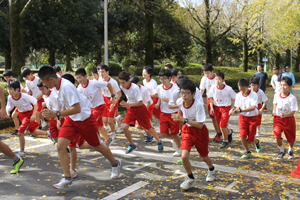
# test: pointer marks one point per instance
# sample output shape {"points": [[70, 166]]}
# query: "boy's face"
{"points": [[259, 68], [103, 73], [13, 91], [254, 86], [96, 76], [124, 84], [186, 94], [244, 89], [284, 87], [49, 83], [219, 81], [164, 79], [27, 78], [174, 78], [209, 74], [44, 90], [275, 71], [7, 78], [287, 69], [179, 73], [81, 79], [59, 73], [145, 74]]}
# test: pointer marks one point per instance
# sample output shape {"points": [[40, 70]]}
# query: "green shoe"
{"points": [[258, 147], [246, 155], [179, 162], [17, 166]]}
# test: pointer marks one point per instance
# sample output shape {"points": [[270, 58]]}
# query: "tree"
{"points": [[15, 17], [4, 38]]}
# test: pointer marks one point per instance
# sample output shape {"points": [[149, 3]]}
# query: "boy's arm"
{"points": [[233, 102], [33, 116], [178, 117], [173, 106], [148, 104], [111, 90], [157, 104], [202, 92], [274, 110], [289, 114], [154, 95], [75, 109], [126, 104], [2, 100]]}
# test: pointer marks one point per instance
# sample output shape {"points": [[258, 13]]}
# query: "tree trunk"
{"points": [[287, 58], [277, 59], [7, 60], [98, 57], [297, 59], [68, 67], [51, 59], [208, 41], [149, 40], [16, 36], [245, 55]]}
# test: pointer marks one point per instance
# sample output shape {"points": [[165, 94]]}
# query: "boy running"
{"points": [[275, 80], [194, 132], [220, 96], [246, 105], [79, 120], [285, 106], [136, 111]]}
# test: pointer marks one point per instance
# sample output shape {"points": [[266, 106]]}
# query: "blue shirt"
{"points": [[262, 80]]}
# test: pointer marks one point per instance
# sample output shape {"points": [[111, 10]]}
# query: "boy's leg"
{"points": [[38, 118], [186, 162], [111, 124], [22, 141], [105, 151], [177, 140], [6, 150], [62, 144], [73, 158], [208, 161], [103, 132], [105, 120], [128, 134], [245, 144], [153, 133], [16, 119], [216, 125]]}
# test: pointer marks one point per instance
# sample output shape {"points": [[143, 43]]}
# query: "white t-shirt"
{"points": [[244, 102], [285, 104], [222, 97], [261, 96], [93, 92], [68, 96], [176, 95], [163, 92], [52, 101], [195, 112], [151, 86], [32, 86], [276, 83], [23, 104], [145, 95], [114, 85], [132, 93], [206, 83]]}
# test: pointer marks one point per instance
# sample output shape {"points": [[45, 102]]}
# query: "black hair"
{"points": [[261, 65], [134, 79], [105, 67], [94, 71], [69, 77], [149, 70], [46, 72], [220, 74], [276, 68], [165, 72], [254, 80], [180, 71], [57, 69], [181, 78], [80, 71], [13, 83], [169, 66], [288, 80], [8, 72], [243, 82], [174, 72], [188, 85], [207, 67], [26, 72], [40, 84], [124, 75]]}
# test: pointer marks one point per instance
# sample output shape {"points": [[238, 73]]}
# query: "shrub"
{"points": [[114, 68], [135, 70], [89, 68]]}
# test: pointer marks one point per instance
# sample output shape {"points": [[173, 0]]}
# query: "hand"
{"points": [[177, 117], [58, 124], [260, 111], [3, 114], [274, 87], [39, 97], [233, 112], [29, 92], [113, 100], [283, 115], [274, 114], [111, 107], [165, 99], [156, 106], [44, 105], [48, 114], [124, 104], [212, 112], [33, 117]]}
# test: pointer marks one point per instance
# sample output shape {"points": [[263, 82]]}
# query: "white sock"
{"points": [[113, 133], [290, 148], [230, 132], [225, 140], [48, 134], [106, 127], [281, 148]]}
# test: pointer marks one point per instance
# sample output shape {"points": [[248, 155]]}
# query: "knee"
{"points": [[125, 127], [184, 157]]}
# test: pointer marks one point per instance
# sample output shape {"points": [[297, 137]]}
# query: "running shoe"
{"points": [[187, 183], [224, 145], [210, 175], [258, 147], [51, 138], [115, 171], [15, 133], [280, 155], [291, 155], [131, 148], [73, 173], [218, 137], [109, 142], [17, 166], [63, 183], [22, 154], [149, 140], [247, 155], [160, 146], [230, 135]]}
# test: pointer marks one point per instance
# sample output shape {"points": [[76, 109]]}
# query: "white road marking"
{"points": [[36, 146], [291, 194], [125, 191], [135, 167], [228, 187]]}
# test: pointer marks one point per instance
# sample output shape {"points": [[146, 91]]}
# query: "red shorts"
{"points": [[166, 123], [150, 109], [39, 105], [222, 115], [208, 108], [106, 112], [78, 140], [26, 124], [98, 113], [53, 127], [156, 112], [247, 126], [194, 136], [259, 116], [288, 125], [87, 129], [139, 114]]}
